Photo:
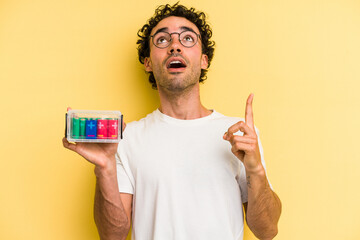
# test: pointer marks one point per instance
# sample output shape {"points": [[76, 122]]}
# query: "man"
{"points": [[177, 177]]}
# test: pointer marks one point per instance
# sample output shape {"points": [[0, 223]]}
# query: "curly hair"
{"points": [[164, 11]]}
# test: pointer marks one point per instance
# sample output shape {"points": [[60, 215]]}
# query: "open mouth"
{"points": [[175, 64]]}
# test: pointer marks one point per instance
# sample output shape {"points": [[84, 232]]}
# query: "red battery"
{"points": [[102, 128], [113, 128]]}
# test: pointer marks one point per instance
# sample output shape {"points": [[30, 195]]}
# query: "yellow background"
{"points": [[300, 58]]}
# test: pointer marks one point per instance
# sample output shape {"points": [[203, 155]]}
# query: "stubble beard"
{"points": [[178, 82]]}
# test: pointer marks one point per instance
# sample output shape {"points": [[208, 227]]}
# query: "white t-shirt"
{"points": [[185, 181]]}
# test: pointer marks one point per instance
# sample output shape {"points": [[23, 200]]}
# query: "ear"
{"points": [[147, 64], [204, 61]]}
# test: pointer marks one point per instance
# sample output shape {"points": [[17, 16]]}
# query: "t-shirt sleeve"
{"points": [[262, 155], [243, 184], [242, 179], [124, 182]]}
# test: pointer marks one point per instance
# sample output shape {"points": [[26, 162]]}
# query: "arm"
{"points": [[263, 208], [112, 210]]}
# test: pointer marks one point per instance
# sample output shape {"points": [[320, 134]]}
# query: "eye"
{"points": [[161, 40], [188, 38]]}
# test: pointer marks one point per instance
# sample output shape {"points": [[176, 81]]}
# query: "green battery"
{"points": [[82, 127], [75, 127]]}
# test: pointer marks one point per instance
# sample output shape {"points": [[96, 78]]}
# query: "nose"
{"points": [[175, 46]]}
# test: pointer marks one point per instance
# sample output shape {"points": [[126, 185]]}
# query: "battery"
{"points": [[102, 128], [91, 127], [82, 128], [75, 127], [113, 128]]}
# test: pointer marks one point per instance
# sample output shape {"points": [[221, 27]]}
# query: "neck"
{"points": [[185, 104]]}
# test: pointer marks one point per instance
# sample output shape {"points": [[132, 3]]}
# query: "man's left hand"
{"points": [[246, 147]]}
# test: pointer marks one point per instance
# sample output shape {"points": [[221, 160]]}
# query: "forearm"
{"points": [[264, 206], [109, 213]]}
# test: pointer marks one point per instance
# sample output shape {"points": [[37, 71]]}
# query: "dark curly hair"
{"points": [[164, 11]]}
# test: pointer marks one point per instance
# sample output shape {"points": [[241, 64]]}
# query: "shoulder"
{"points": [[226, 119], [140, 126], [230, 120], [143, 121]]}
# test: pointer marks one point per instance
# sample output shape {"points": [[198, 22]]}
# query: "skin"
{"points": [[180, 98], [178, 91], [112, 210], [263, 208]]}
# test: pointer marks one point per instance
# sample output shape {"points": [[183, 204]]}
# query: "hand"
{"points": [[246, 147], [100, 154]]}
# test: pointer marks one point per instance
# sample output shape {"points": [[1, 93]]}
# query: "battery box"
{"points": [[93, 126]]}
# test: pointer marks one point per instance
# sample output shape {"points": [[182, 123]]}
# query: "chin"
{"points": [[179, 87], [178, 82]]}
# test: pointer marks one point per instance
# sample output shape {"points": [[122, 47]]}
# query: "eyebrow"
{"points": [[187, 29], [166, 29]]}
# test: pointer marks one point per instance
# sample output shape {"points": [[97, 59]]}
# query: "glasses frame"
{"points": [[171, 39]]}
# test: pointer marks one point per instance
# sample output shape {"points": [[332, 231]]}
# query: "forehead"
{"points": [[174, 24]]}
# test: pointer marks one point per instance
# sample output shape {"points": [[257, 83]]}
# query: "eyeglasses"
{"points": [[186, 38]]}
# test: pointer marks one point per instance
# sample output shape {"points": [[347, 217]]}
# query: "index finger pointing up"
{"points": [[249, 118]]}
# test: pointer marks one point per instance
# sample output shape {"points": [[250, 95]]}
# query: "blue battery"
{"points": [[91, 128]]}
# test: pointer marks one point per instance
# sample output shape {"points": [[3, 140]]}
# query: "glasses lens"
{"points": [[188, 38], [162, 39]]}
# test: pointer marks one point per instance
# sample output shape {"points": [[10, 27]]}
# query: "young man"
{"points": [[177, 175]]}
